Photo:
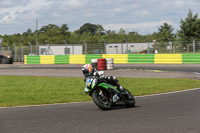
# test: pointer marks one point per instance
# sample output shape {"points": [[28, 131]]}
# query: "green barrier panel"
{"points": [[191, 58], [33, 59], [141, 58], [92, 56], [61, 59]]}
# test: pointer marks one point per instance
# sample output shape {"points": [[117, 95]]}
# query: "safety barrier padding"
{"points": [[32, 59], [61, 59], [191, 58], [77, 59], [118, 58], [47, 59], [92, 56], [141, 58], [168, 59]]}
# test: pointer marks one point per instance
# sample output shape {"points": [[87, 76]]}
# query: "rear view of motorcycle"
{"points": [[106, 95]]}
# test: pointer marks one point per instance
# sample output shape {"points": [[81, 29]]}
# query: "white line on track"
{"points": [[196, 73], [169, 93], [91, 101]]}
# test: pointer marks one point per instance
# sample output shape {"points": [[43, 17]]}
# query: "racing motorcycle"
{"points": [[105, 95]]}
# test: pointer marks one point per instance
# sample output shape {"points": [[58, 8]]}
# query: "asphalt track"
{"points": [[162, 67], [169, 113]]}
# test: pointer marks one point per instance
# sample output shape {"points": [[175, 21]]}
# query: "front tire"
{"points": [[101, 101], [130, 101]]}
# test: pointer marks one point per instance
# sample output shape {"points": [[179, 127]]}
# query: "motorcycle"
{"points": [[105, 95]]}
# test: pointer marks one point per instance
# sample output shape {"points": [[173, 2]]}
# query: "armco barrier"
{"points": [[118, 58], [77, 59], [191, 58], [168, 59], [61, 59], [141, 58], [47, 59], [32, 59], [92, 56]]}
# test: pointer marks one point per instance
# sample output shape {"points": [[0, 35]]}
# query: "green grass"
{"points": [[29, 90]]}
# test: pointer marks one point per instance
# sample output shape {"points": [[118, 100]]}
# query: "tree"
{"points": [[90, 28], [190, 27], [64, 29], [165, 33]]}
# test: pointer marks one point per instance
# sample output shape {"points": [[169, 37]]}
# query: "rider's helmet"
{"points": [[87, 69]]}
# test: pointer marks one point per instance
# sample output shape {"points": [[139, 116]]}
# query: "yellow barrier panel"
{"points": [[25, 59], [47, 59], [77, 59], [118, 58], [168, 59]]}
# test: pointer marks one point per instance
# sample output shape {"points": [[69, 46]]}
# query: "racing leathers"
{"points": [[101, 78]]}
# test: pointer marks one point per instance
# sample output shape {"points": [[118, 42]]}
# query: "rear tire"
{"points": [[102, 102]]}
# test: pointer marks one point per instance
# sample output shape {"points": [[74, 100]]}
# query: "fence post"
{"points": [[193, 46], [65, 46], [0, 49], [126, 47], [15, 52], [30, 45], [8, 49], [1, 45], [22, 52], [104, 46], [85, 46], [170, 46], [148, 48]]}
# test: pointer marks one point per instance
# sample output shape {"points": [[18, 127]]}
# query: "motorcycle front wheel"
{"points": [[101, 100], [130, 100]]}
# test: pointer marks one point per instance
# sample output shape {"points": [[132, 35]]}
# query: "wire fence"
{"points": [[18, 51]]}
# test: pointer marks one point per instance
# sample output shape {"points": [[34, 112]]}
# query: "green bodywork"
{"points": [[103, 85], [107, 86]]}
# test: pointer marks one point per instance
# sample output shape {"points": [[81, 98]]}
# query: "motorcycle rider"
{"points": [[88, 71]]}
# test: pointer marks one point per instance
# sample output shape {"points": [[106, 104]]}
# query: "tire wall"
{"points": [[77, 59], [47, 59], [141, 58], [92, 56], [32, 59], [168, 59], [61, 59], [117, 58], [191, 58]]}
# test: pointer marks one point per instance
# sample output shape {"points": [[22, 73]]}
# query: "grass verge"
{"points": [[29, 90]]}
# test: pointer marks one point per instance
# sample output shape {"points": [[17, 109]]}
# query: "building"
{"points": [[60, 49], [127, 48]]}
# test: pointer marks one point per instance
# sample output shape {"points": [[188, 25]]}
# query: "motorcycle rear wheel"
{"points": [[102, 102]]}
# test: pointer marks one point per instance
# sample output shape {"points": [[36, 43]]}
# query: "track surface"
{"points": [[163, 67], [170, 113]]}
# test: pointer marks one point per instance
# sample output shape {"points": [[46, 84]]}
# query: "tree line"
{"points": [[95, 33]]}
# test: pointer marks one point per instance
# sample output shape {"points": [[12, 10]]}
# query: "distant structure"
{"points": [[60, 49], [127, 48]]}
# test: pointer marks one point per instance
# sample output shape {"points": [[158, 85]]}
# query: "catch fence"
{"points": [[87, 48]]}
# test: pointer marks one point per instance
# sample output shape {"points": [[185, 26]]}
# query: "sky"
{"points": [[142, 16]]}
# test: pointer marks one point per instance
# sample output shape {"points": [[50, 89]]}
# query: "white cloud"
{"points": [[140, 15], [9, 18], [179, 3], [12, 3], [72, 4]]}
